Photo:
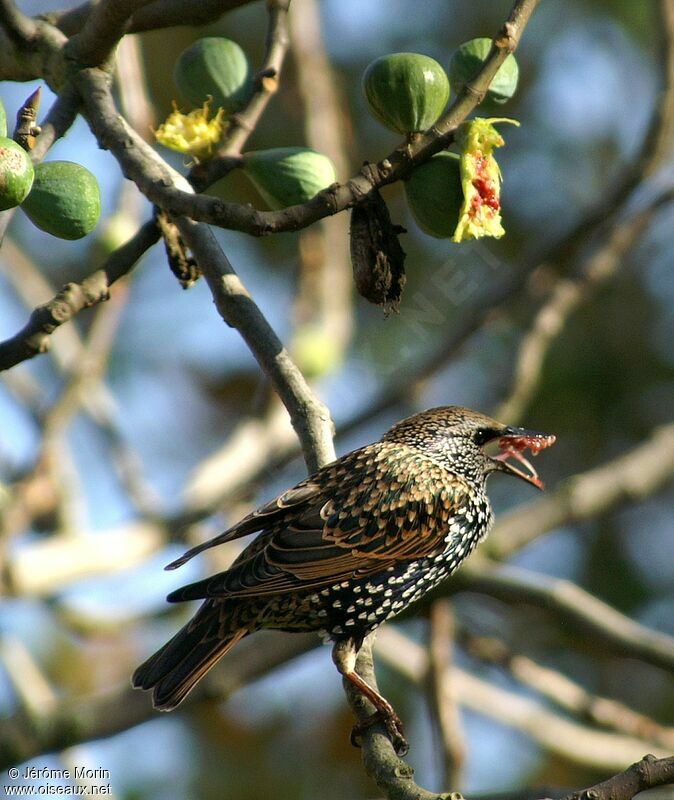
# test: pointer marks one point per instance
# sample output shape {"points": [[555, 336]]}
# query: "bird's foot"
{"points": [[394, 729]]}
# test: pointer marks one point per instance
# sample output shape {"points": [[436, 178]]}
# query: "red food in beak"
{"points": [[513, 443]]}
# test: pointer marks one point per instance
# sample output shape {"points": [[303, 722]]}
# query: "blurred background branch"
{"points": [[551, 730], [149, 422]]}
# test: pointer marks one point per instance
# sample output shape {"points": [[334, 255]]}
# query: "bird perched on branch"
{"points": [[349, 547]]}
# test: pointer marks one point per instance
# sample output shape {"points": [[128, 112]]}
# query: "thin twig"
{"points": [[58, 121], [98, 402], [26, 128], [265, 86]]}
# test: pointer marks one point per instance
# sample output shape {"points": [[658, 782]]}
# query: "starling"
{"points": [[348, 548]]}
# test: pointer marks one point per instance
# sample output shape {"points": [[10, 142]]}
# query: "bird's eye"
{"points": [[484, 435]]}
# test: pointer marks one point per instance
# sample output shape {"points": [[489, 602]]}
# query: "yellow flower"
{"points": [[191, 133], [480, 213]]}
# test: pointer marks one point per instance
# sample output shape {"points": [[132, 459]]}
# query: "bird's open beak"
{"points": [[512, 443]]}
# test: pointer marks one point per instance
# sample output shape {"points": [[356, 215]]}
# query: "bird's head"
{"points": [[472, 444]]}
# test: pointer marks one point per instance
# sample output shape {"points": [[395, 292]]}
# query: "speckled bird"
{"points": [[349, 547]]}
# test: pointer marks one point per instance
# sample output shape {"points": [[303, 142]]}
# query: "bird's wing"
{"points": [[374, 518], [257, 520]]}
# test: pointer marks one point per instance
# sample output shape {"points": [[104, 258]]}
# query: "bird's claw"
{"points": [[394, 729]]}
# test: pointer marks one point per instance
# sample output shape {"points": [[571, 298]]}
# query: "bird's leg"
{"points": [[344, 655]]}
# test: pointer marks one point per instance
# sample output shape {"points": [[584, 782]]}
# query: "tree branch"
{"points": [[30, 48], [156, 179], [265, 86], [308, 415], [34, 337], [569, 602], [391, 774], [154, 16], [646, 774], [105, 25], [237, 307], [151, 174], [57, 123], [20, 28]]}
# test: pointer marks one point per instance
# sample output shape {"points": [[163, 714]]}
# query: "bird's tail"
{"points": [[173, 671]]}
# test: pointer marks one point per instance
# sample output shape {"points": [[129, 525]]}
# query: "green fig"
{"points": [[218, 68], [466, 61], [406, 92], [288, 176], [65, 200], [3, 120], [435, 196], [16, 173]]}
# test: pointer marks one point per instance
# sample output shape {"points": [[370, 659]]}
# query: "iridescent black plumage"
{"points": [[348, 547]]}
